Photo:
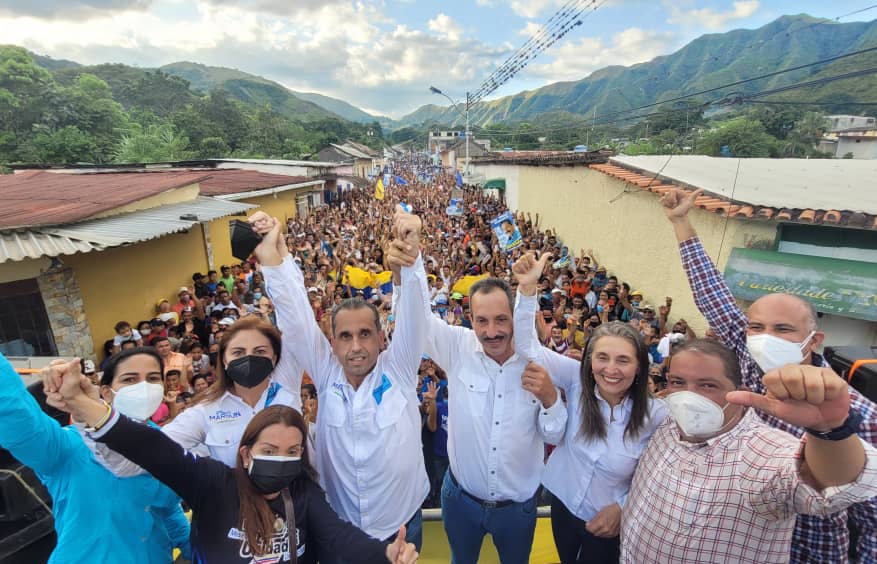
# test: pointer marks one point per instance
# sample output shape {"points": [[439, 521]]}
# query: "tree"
{"points": [[744, 137], [155, 143], [65, 145]]}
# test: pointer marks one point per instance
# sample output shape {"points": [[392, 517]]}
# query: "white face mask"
{"points": [[772, 352], [697, 416], [138, 401]]}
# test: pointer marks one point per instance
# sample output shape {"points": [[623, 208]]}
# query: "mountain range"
{"points": [[707, 62]]}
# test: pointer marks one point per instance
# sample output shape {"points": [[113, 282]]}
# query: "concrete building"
{"points": [[843, 122], [806, 226], [365, 162], [79, 252]]}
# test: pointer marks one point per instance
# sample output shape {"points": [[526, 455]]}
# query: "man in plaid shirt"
{"points": [[816, 539], [717, 484]]}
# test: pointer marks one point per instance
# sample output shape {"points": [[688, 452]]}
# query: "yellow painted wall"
{"points": [[124, 283], [631, 236], [173, 196], [23, 269], [280, 205]]}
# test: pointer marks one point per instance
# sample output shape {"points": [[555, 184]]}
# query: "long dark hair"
{"points": [[593, 425], [112, 364], [256, 517], [222, 382]]}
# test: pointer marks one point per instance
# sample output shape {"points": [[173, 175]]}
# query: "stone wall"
{"points": [[66, 311]]}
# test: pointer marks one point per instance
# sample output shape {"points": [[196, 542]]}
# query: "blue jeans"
{"points": [[413, 534], [467, 521]]}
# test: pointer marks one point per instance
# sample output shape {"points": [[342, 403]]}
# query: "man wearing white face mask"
{"points": [[716, 484], [777, 330]]}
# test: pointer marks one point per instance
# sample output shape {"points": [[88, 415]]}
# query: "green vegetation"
{"points": [[116, 113], [707, 62]]}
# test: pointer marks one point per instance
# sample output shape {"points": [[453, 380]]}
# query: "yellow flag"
{"points": [[465, 283], [379, 189]]}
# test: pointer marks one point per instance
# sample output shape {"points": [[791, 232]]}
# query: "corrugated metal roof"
{"points": [[36, 198], [818, 184], [99, 234], [236, 180]]}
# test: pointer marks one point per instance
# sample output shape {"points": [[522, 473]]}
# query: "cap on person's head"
{"points": [[425, 357], [313, 289], [456, 296], [465, 300], [556, 291], [226, 321], [646, 307], [182, 289], [157, 322], [161, 301], [375, 298], [601, 269], [636, 293]]}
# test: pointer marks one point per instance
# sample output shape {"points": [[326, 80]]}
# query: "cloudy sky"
{"points": [[382, 55]]}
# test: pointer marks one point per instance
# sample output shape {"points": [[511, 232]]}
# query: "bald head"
{"points": [[785, 316]]}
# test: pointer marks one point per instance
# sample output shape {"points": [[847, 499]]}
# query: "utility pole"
{"points": [[467, 134]]}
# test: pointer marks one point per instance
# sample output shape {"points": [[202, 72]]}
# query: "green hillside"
{"points": [[340, 107], [250, 89], [706, 62]]}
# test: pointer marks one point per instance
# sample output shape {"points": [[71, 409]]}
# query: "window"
{"points": [[24, 324]]}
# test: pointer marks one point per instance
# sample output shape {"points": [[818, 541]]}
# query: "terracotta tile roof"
{"points": [[539, 158], [233, 181], [743, 210], [36, 198]]}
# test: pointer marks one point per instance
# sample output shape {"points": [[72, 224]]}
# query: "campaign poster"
{"points": [[507, 232]]}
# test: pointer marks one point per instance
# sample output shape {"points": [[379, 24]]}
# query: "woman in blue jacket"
{"points": [[98, 516]]}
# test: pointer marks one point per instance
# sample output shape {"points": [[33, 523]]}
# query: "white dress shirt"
{"points": [[219, 425], [496, 428], [585, 474], [368, 451]]}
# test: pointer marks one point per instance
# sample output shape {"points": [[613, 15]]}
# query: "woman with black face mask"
{"points": [[251, 374], [267, 508]]}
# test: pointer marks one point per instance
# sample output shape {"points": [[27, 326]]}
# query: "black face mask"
{"points": [[270, 474], [243, 239], [249, 371]]}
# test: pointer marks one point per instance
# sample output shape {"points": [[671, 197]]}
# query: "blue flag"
{"points": [[459, 178], [401, 181]]}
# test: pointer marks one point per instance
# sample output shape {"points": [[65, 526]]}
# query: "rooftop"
{"points": [[792, 190], [37, 198], [537, 158], [234, 180]]}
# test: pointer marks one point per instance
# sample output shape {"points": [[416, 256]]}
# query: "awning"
{"points": [[840, 287], [495, 183], [100, 234]]}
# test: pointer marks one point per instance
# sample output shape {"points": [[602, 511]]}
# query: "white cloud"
{"points": [[532, 28], [445, 26], [343, 48], [709, 18], [574, 60], [533, 8]]}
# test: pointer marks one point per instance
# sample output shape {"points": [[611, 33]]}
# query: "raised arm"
{"points": [[564, 371], [149, 448], [303, 341], [34, 438], [711, 294]]}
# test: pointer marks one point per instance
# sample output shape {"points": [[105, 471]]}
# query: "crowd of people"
{"points": [[372, 359]]}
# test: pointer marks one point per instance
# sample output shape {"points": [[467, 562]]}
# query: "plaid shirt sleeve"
{"points": [[716, 303], [816, 538]]}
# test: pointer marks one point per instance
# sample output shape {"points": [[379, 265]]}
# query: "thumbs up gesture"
{"points": [[401, 552]]}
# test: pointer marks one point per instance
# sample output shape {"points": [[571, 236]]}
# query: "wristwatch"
{"points": [[848, 428]]}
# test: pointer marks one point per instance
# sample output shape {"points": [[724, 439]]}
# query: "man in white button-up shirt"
{"points": [[501, 411], [368, 451]]}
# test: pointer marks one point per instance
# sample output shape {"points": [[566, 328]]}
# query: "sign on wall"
{"points": [[839, 287]]}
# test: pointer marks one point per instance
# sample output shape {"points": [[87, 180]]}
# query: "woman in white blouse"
{"points": [[611, 418]]}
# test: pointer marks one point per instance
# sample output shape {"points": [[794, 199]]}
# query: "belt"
{"points": [[483, 503]]}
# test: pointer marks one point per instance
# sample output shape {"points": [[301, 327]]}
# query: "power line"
{"points": [[744, 81]]}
